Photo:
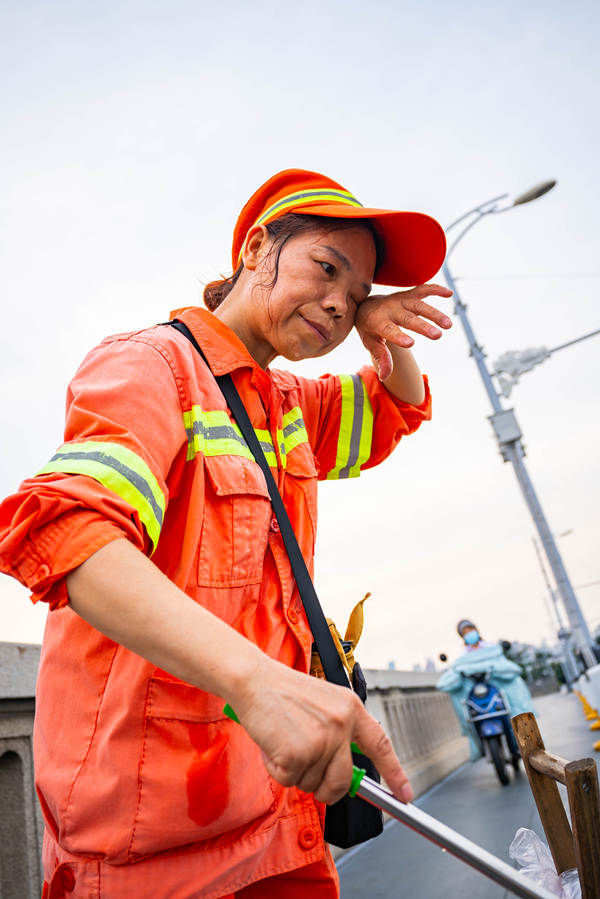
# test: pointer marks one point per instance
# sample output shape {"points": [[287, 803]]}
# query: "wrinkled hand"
{"points": [[304, 727], [380, 318]]}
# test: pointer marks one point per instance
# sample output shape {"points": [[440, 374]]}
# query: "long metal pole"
{"points": [[475, 856], [513, 451]]}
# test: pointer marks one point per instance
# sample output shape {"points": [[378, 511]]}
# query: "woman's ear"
{"points": [[256, 246]]}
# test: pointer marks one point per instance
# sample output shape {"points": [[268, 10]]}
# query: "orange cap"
{"points": [[414, 245]]}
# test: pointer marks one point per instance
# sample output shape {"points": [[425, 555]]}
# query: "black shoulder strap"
{"points": [[332, 664]]}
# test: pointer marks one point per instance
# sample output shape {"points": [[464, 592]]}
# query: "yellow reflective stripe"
{"points": [[356, 429], [120, 470], [301, 198], [266, 444], [309, 196], [214, 434], [294, 429]]}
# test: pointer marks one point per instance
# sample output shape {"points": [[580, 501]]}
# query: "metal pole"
{"points": [[571, 342], [511, 449], [451, 841], [571, 669], [579, 627]]}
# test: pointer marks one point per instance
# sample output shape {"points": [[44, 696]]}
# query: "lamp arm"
{"points": [[482, 211], [479, 209]]}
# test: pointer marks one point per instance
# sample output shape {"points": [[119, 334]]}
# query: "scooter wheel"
{"points": [[497, 754]]}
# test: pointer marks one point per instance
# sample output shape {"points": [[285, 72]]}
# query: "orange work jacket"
{"points": [[139, 774]]}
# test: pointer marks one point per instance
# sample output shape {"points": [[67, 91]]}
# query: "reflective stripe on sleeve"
{"points": [[356, 429], [214, 434], [120, 470]]}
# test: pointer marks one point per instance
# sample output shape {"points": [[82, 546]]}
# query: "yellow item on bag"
{"points": [[346, 646]]}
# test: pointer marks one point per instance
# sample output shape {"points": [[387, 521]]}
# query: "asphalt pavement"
{"points": [[402, 864]]}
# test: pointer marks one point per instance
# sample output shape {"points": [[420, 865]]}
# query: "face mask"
{"points": [[471, 638]]}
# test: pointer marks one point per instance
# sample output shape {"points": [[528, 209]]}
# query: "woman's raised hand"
{"points": [[380, 319]]}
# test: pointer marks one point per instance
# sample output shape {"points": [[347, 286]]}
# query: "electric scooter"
{"points": [[488, 710]]}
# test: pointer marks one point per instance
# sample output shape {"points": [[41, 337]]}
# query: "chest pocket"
{"points": [[235, 525]]}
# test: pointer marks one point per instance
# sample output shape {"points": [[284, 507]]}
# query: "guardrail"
{"points": [[420, 722]]}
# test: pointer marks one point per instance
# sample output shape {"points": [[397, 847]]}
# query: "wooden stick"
{"points": [[584, 802], [545, 792]]}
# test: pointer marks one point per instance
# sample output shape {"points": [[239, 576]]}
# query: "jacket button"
{"points": [[274, 525], [307, 838], [68, 879], [43, 571], [292, 616]]}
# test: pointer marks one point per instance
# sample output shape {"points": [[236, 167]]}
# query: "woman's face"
{"points": [[323, 276]]}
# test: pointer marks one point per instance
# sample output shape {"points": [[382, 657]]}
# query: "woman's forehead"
{"points": [[352, 246]]}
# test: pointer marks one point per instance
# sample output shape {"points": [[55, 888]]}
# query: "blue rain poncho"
{"points": [[503, 673]]}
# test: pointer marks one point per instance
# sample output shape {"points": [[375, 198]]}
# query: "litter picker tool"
{"points": [[446, 838]]}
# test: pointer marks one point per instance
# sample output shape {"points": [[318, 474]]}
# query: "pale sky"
{"points": [[131, 135]]}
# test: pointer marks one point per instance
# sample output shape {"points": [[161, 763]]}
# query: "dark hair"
{"points": [[281, 230]]}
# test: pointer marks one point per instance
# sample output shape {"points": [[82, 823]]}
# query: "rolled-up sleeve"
{"points": [[354, 423]]}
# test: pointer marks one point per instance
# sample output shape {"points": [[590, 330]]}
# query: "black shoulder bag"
{"points": [[351, 820]]}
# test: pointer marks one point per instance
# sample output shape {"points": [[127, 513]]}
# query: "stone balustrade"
{"points": [[21, 825], [420, 723]]}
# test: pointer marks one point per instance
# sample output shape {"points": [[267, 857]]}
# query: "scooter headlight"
{"points": [[480, 690]]}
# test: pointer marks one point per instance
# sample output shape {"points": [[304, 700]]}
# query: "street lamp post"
{"points": [[508, 433]]}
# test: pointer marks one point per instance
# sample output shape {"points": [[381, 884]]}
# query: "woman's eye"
{"points": [[328, 267]]}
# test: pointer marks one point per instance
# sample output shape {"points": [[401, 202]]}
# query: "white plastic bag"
{"points": [[535, 857]]}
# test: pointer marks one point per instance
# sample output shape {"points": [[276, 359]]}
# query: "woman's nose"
{"points": [[336, 303]]}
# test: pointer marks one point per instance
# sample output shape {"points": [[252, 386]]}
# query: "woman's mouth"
{"points": [[320, 330]]}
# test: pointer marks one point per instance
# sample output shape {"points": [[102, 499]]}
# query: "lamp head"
{"points": [[534, 192]]}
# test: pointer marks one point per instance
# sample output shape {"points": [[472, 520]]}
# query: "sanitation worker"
{"points": [[150, 535]]}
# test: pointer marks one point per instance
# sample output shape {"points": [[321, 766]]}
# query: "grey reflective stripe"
{"points": [[129, 474], [120, 470], [357, 422], [214, 434], [323, 194], [294, 426], [217, 432], [356, 429]]}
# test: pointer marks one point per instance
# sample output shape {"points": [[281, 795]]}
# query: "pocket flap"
{"points": [[176, 700], [300, 462], [234, 475]]}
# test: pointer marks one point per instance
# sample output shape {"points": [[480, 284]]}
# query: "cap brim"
{"points": [[414, 244]]}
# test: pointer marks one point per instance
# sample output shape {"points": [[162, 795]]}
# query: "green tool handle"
{"points": [[357, 773]]}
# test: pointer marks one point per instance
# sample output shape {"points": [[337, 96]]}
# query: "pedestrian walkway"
{"points": [[402, 864]]}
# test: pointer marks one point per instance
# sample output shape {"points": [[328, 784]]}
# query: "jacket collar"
{"points": [[225, 351]]}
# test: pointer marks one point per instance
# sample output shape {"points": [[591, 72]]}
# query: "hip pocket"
{"points": [[200, 774]]}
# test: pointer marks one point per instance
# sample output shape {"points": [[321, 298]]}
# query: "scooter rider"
{"points": [[471, 637]]}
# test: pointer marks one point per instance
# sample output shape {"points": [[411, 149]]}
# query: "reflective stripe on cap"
{"points": [[304, 198]]}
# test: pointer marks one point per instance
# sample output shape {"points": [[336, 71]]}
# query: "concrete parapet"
{"points": [[420, 722]]}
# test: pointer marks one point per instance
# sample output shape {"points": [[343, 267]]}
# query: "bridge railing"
{"points": [[420, 722]]}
